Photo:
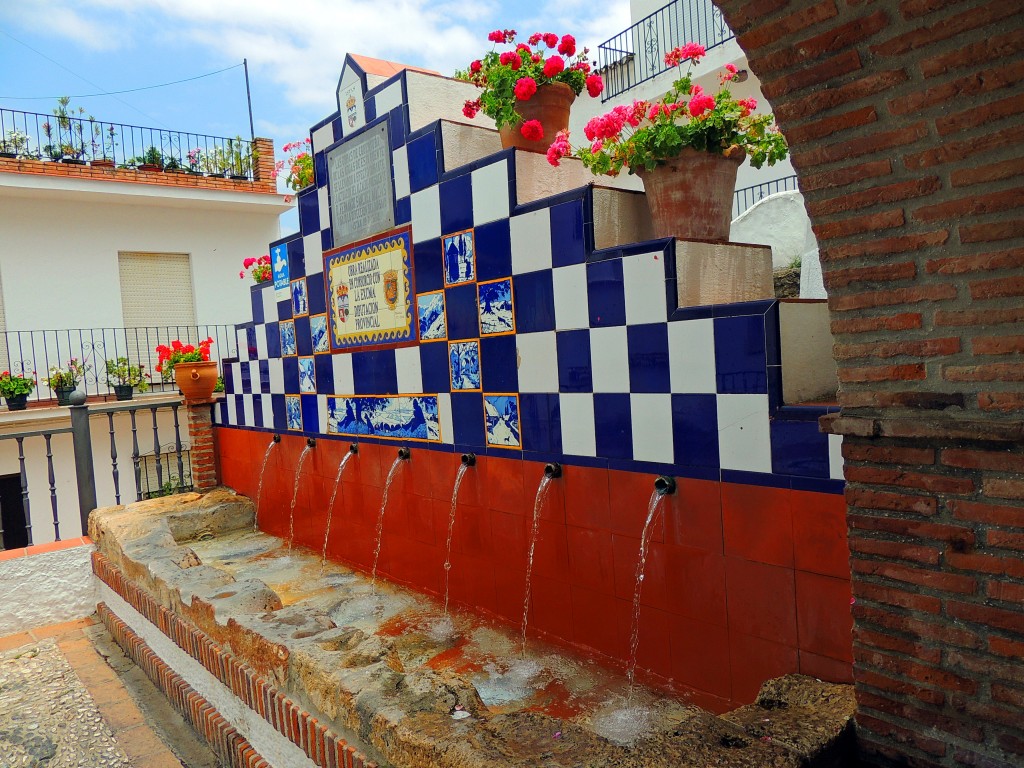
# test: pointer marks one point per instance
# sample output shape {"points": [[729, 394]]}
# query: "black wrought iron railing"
{"points": [[33, 353], [746, 197], [637, 54], [83, 139]]}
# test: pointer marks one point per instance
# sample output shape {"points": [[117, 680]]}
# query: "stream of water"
{"points": [[295, 494], [645, 541], [538, 504], [380, 518], [259, 486], [330, 507], [451, 527]]}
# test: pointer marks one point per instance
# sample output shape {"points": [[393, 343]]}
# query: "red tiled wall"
{"points": [[743, 583]]}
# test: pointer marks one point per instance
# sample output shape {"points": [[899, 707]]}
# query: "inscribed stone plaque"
{"points": [[359, 176]]}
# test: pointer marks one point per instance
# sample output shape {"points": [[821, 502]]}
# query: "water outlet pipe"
{"points": [[468, 459], [552, 470], [664, 485], [404, 454], [276, 438], [311, 442], [354, 448]]}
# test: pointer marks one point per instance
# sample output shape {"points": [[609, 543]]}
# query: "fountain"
{"points": [[403, 455], [259, 487], [352, 451], [551, 472], [468, 460], [310, 444]]}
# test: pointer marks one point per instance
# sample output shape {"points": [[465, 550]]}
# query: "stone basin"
{"points": [[387, 669]]}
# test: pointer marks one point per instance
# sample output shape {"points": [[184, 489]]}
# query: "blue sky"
{"points": [[295, 49]]}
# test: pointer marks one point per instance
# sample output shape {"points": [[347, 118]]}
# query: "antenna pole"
{"points": [[248, 98]]}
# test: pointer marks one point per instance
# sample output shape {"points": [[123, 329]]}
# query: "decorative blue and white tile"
{"points": [[570, 289], [403, 417], [459, 258], [744, 439], [501, 421], [464, 365], [531, 241], [318, 332], [307, 376], [408, 373], [433, 323], [324, 208], [293, 412], [269, 299], [578, 435], [494, 300], [300, 300], [288, 345], [609, 357], [691, 345], [537, 353], [651, 420]]}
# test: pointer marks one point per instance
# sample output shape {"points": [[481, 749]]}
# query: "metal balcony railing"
{"points": [[637, 54], [746, 197], [82, 139]]}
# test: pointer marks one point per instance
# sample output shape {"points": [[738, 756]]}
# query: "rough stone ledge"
{"points": [[922, 425]]}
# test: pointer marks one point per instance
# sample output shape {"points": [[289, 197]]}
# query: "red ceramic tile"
{"points": [[587, 497], [365, 467], [629, 496], [505, 485], [819, 533], [416, 565], [473, 489], [472, 581], [591, 559], [551, 608], [553, 503], [695, 585], [693, 515], [654, 651], [510, 590], [289, 450], [824, 668], [824, 619], [510, 539], [396, 519], [328, 457], [758, 523], [627, 556], [600, 622], [472, 531], [755, 660], [421, 520], [700, 656], [761, 600], [551, 554]]}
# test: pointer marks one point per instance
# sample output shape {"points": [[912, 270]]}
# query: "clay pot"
{"points": [[196, 380], [550, 104], [691, 196]]}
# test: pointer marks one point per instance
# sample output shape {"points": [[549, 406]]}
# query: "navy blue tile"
{"points": [[613, 425], [422, 162], [264, 382], [222, 407], [764, 479], [463, 311], [256, 300], [775, 387], [310, 414], [250, 342], [403, 210], [740, 355], [498, 364], [319, 169], [277, 406], [273, 340], [296, 258], [691, 313], [456, 204], [375, 372], [326, 239], [337, 129], [246, 379], [230, 385], [818, 485], [567, 241], [534, 297], [309, 213], [315, 294], [493, 250], [695, 430], [434, 365], [396, 127], [799, 448], [324, 374], [239, 401], [370, 110], [257, 410], [541, 422], [428, 268], [574, 370], [303, 339], [284, 309], [291, 375], [773, 353], [648, 358], [607, 297], [758, 307], [468, 418]]}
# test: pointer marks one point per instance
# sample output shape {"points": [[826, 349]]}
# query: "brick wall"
{"points": [[203, 453], [905, 123]]}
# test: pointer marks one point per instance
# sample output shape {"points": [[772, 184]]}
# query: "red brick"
{"points": [[1003, 646], [960, 536], [956, 151], [1006, 566], [888, 454], [824, 69], [764, 34], [875, 195], [884, 641], [972, 118], [987, 615], [923, 673], [898, 597], [911, 295], [989, 49], [949, 27], [1006, 592], [978, 262], [939, 631], [864, 145], [1004, 402], [840, 177], [828, 98], [897, 399], [991, 232], [998, 345], [829, 126], [937, 580], [997, 288], [983, 174], [891, 685], [897, 550], [990, 372], [901, 322], [1005, 539], [924, 348], [1004, 488], [993, 460], [985, 666], [840, 278], [973, 205], [912, 372], [927, 719], [752, 12], [901, 735], [1002, 76], [980, 316], [919, 480]]}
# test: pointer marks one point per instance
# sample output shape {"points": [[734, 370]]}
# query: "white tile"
{"points": [[247, 411], [651, 417], [242, 344], [323, 137], [321, 410], [389, 98], [276, 372], [344, 379], [490, 192], [324, 206], [609, 358], [643, 278], [570, 286], [426, 214], [254, 376], [835, 457], [261, 342], [577, 414], [531, 241], [269, 305], [410, 377], [232, 412], [538, 358], [313, 252], [236, 376], [444, 416], [268, 411], [400, 164], [744, 440], [691, 356]]}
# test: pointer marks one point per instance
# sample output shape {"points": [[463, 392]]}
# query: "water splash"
{"points": [[538, 504], [451, 528], [259, 486], [380, 518], [645, 542], [295, 494], [330, 508]]}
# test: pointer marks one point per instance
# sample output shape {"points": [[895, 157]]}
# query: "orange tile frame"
{"points": [[743, 582]]}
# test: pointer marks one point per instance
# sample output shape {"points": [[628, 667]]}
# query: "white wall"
{"points": [[47, 588]]}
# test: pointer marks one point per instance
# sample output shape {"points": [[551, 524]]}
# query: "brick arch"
{"points": [[905, 122]]}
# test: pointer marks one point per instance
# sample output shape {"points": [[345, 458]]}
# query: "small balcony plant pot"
{"points": [[124, 391], [17, 402], [550, 105], [64, 395], [196, 380]]}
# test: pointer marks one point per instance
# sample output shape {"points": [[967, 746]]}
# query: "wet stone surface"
{"points": [[47, 717]]}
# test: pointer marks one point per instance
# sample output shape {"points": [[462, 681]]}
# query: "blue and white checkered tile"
{"points": [[312, 246]]}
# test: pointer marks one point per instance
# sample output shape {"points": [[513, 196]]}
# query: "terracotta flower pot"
{"points": [[196, 380], [550, 105], [691, 196]]}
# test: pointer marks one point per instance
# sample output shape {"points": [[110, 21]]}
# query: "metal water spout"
{"points": [[552, 470], [311, 442], [276, 438], [665, 485], [404, 454], [354, 448], [468, 459]]}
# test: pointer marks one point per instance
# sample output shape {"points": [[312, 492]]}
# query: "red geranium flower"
{"points": [[568, 45], [595, 84], [532, 130], [475, 66], [525, 88], [553, 66], [550, 39]]}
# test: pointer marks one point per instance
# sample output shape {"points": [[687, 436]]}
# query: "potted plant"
{"points": [[528, 90], [686, 147], [125, 378], [238, 159], [259, 269], [189, 366], [195, 160], [14, 144], [299, 163], [15, 390], [64, 380], [151, 160]]}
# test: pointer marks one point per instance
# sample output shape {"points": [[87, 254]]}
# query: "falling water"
{"points": [[380, 518], [295, 494], [645, 541], [538, 504], [259, 487], [330, 508], [451, 527]]}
